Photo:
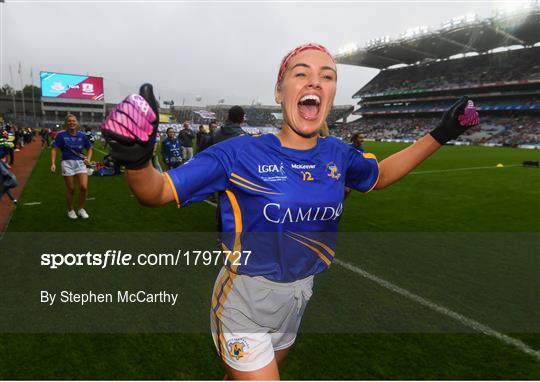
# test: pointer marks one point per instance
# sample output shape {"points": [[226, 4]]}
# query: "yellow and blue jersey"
{"points": [[282, 204]]}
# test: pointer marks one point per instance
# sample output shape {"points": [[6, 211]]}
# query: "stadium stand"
{"points": [[496, 61], [466, 72], [270, 115], [516, 129]]}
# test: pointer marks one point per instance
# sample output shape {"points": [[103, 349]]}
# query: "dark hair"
{"points": [[236, 114], [169, 128]]}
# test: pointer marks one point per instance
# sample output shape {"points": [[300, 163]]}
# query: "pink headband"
{"points": [[297, 50]]}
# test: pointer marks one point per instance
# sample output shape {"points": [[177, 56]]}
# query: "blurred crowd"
{"points": [[504, 103], [507, 130], [258, 117], [469, 71], [12, 139]]}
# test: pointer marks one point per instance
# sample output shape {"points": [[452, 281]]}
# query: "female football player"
{"points": [[263, 182], [72, 143], [171, 150]]}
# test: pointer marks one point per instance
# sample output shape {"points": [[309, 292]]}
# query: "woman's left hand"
{"points": [[461, 116]]}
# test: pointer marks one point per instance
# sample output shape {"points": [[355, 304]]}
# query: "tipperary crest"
{"points": [[332, 171], [237, 347]]}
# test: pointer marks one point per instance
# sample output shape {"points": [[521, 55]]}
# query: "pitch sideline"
{"points": [[461, 169], [468, 322]]}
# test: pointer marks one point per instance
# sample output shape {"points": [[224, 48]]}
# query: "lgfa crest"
{"points": [[237, 347], [332, 171]]}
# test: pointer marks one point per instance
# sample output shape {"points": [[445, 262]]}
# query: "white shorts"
{"points": [[251, 317], [71, 167]]}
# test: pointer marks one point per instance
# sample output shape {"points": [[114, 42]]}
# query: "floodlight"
{"points": [[348, 48]]}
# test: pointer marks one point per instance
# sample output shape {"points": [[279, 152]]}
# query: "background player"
{"points": [[72, 143], [171, 151], [357, 141]]}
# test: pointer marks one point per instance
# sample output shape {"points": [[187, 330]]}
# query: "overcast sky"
{"points": [[218, 49]]}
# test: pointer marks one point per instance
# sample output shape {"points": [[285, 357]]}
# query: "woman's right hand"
{"points": [[131, 128], [53, 167]]}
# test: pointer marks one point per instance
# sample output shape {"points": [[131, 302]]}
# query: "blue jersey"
{"points": [[359, 148], [282, 204], [72, 146], [170, 148]]}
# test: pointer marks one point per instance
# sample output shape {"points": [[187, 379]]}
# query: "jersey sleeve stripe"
{"points": [[238, 177], [253, 189], [376, 180], [374, 184], [320, 243], [372, 157], [168, 177], [319, 253], [369, 156]]}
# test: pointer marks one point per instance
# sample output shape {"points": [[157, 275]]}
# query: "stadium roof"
{"points": [[460, 35]]}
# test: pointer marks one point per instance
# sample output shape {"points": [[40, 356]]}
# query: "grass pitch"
{"points": [[458, 190]]}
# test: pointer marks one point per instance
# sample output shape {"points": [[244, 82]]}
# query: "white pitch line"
{"points": [[101, 151], [461, 169], [209, 202], [31, 204], [93, 198], [475, 325]]}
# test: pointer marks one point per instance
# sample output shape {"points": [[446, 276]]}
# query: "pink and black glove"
{"points": [[131, 128], [456, 120]]}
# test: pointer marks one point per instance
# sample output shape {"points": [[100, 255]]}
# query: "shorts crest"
{"points": [[237, 347]]}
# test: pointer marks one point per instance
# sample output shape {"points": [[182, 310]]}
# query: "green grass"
{"points": [[485, 200], [457, 238], [111, 194]]}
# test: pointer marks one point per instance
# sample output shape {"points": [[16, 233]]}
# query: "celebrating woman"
{"points": [[289, 186], [72, 143]]}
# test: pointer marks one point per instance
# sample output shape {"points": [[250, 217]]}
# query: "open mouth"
{"points": [[308, 107]]}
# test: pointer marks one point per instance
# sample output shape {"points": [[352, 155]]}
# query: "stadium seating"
{"points": [[501, 130], [515, 65]]}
